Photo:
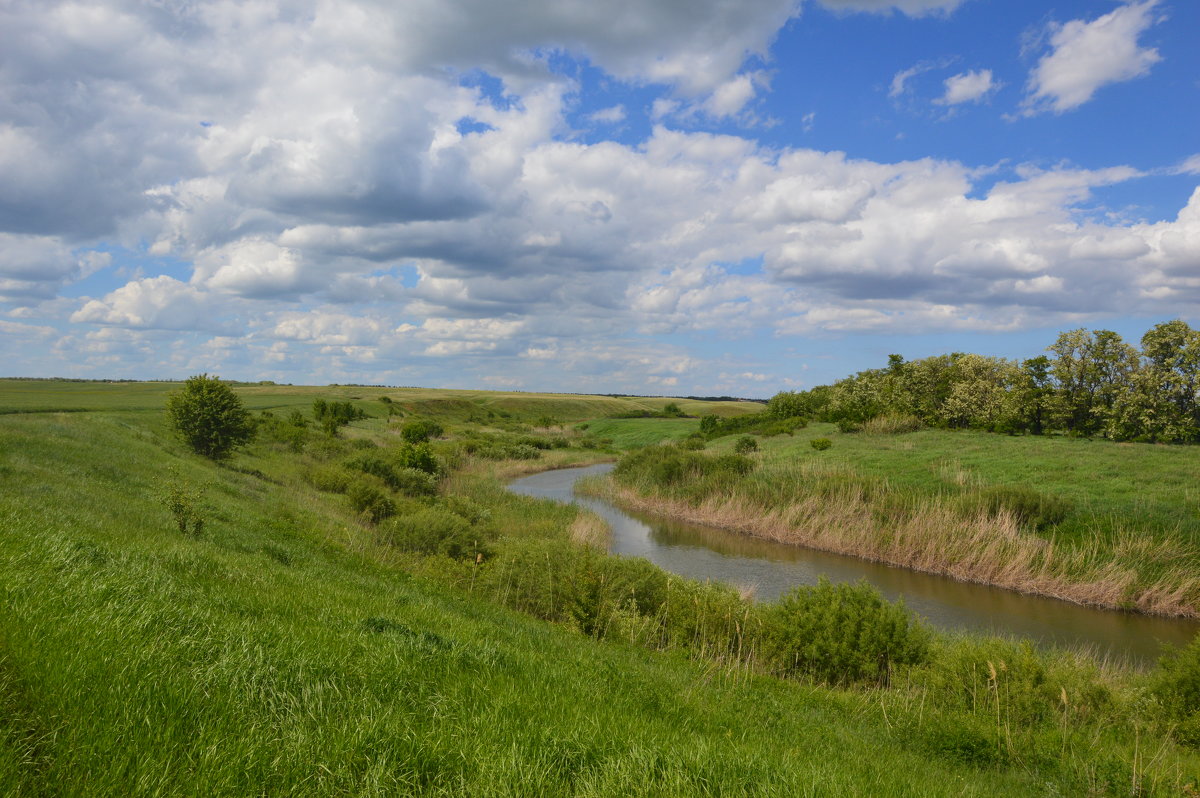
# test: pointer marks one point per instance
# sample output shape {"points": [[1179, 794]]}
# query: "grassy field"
{"points": [[1111, 524], [292, 649]]}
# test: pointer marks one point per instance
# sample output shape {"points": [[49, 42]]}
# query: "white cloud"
{"points": [[609, 116], [731, 96], [161, 302], [966, 87], [1089, 55]]}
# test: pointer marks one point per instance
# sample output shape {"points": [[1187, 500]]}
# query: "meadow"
{"points": [[295, 644], [1098, 522]]}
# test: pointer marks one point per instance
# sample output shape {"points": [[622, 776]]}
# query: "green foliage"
{"points": [[1175, 686], [209, 417], [1029, 507], [331, 479], [369, 500], [688, 473], [820, 444], [745, 445], [420, 430], [334, 415], [841, 634], [417, 456], [184, 504], [693, 443], [765, 424], [434, 530]]}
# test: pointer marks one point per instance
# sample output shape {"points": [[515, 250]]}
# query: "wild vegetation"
{"points": [[1093, 384], [354, 612]]}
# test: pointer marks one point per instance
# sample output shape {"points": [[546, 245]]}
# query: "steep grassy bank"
{"points": [[295, 648], [1114, 525]]}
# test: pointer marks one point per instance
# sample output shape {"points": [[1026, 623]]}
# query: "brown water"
{"points": [[771, 569]]}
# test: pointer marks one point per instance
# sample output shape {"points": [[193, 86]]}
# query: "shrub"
{"points": [[1175, 685], [433, 531], [841, 634], [892, 424], [414, 482], [418, 456], [184, 505], [846, 425], [693, 443], [370, 501], [745, 445], [331, 479], [820, 444], [209, 417], [420, 430]]}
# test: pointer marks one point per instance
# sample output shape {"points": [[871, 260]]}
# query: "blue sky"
{"points": [[676, 197]]}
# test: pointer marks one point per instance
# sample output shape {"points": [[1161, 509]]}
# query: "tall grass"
{"points": [[977, 534]]}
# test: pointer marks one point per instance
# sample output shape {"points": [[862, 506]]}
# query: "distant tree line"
{"points": [[1091, 384]]}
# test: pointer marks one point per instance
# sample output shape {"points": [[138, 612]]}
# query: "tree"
{"points": [[209, 417]]}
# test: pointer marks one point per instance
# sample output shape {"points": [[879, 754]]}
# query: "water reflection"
{"points": [[771, 569]]}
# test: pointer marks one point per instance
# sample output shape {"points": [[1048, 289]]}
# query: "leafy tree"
{"points": [[1092, 369], [1161, 402], [209, 417]]}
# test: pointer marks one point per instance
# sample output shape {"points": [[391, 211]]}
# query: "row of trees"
{"points": [[1092, 383]]}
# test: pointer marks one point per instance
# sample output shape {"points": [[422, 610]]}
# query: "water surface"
{"points": [[771, 569]]}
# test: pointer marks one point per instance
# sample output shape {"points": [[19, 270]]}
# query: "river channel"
{"points": [[771, 569]]}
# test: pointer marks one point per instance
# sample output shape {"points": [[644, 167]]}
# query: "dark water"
{"points": [[708, 553]]}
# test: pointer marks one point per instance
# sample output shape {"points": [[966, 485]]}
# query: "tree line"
{"points": [[1090, 384]]}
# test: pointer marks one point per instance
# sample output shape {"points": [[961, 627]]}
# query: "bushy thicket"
{"points": [[766, 424], [1176, 688], [680, 472], [841, 634], [1093, 384]]}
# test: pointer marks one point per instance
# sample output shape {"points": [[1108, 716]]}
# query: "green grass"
{"points": [[286, 652], [1155, 486], [628, 433]]}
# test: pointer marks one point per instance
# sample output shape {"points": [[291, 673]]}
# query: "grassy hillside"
{"points": [[290, 649]]}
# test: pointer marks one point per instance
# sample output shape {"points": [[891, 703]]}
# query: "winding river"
{"points": [[771, 569]]}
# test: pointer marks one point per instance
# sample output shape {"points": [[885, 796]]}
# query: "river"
{"points": [[771, 569]]}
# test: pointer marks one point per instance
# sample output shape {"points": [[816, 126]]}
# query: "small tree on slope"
{"points": [[209, 417]]}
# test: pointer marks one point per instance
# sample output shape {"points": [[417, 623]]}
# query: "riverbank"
{"points": [[827, 506]]}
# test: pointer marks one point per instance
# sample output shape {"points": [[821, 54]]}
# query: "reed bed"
{"points": [[831, 509]]}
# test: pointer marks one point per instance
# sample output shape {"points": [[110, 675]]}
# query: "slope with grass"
{"points": [[290, 649]]}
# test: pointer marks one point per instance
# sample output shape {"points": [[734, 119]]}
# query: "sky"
{"points": [[679, 197]]}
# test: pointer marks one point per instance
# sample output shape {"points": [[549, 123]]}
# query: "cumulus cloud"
{"points": [[1088, 55], [366, 188], [967, 87], [162, 303]]}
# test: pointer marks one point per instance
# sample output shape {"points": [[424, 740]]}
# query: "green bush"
{"points": [[331, 479], [693, 443], [745, 445], [370, 501], [1175, 685], [433, 530], [420, 430], [841, 634], [184, 505], [209, 417], [418, 456], [820, 444]]}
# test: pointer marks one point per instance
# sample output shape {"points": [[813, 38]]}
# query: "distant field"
{"points": [[46, 395]]}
